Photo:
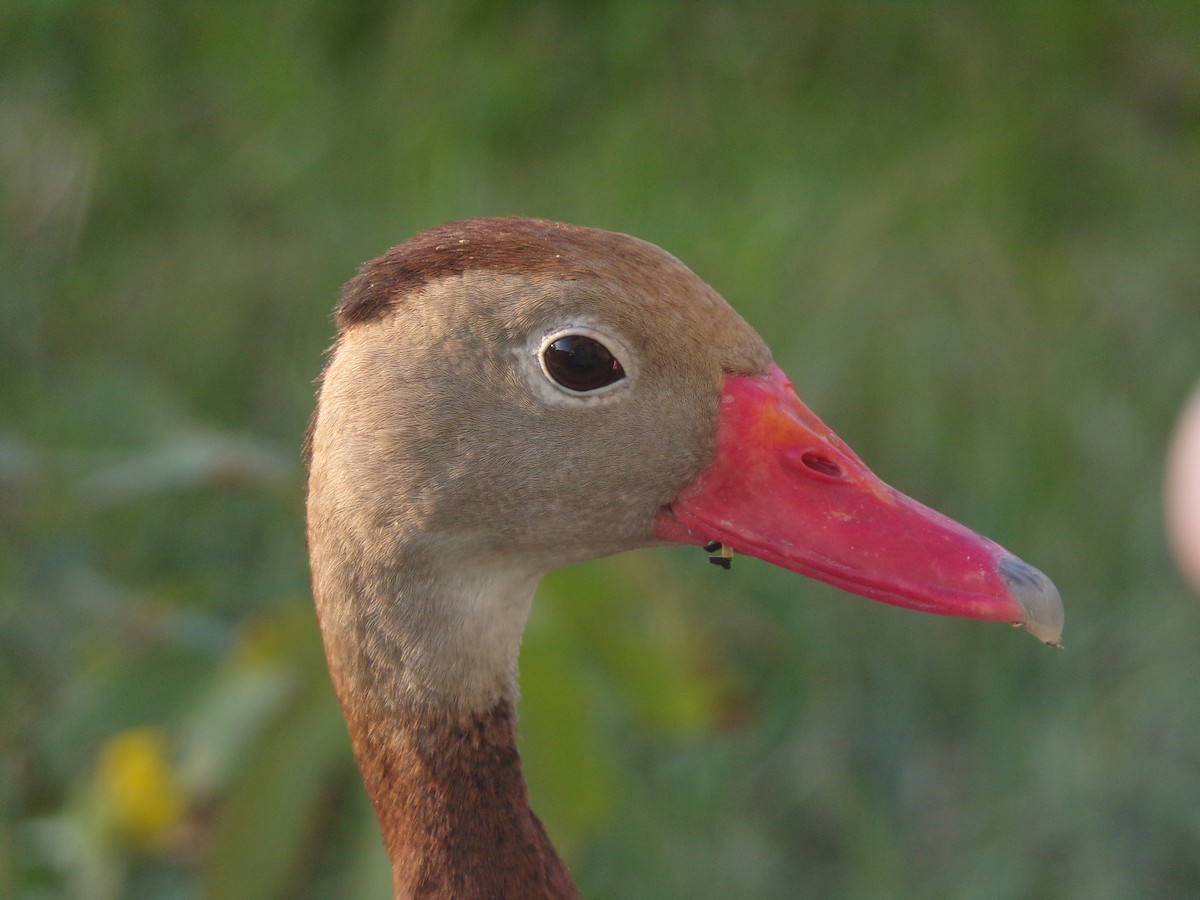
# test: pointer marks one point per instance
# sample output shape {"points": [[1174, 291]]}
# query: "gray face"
{"points": [[449, 469], [456, 431]]}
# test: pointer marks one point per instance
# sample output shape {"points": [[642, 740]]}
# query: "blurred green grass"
{"points": [[970, 235]]}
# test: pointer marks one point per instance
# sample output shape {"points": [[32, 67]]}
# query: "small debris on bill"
{"points": [[720, 555]]}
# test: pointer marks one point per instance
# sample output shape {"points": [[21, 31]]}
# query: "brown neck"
{"points": [[452, 804]]}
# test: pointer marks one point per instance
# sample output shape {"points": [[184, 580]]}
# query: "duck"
{"points": [[508, 396]]}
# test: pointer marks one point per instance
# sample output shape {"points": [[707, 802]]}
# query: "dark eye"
{"points": [[580, 363]]}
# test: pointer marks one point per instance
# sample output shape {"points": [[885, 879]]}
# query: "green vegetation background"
{"points": [[971, 233]]}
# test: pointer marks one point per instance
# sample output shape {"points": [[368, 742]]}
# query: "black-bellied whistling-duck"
{"points": [[507, 396]]}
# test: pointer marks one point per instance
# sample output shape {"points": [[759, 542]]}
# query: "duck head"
{"points": [[507, 396]]}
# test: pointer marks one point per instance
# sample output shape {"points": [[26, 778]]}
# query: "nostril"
{"points": [[822, 465], [815, 462]]}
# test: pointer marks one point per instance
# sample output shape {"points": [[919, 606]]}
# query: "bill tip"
{"points": [[1040, 602]]}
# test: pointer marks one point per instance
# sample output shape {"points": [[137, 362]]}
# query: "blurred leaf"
{"points": [[570, 772], [117, 694], [189, 461], [237, 706], [268, 818]]}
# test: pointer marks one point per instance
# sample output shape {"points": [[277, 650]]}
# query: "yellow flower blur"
{"points": [[139, 787]]}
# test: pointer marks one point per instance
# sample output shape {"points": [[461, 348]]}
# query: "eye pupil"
{"points": [[580, 363]]}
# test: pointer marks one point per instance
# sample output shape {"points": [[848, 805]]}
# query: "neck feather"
{"points": [[453, 806], [406, 626], [423, 658]]}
